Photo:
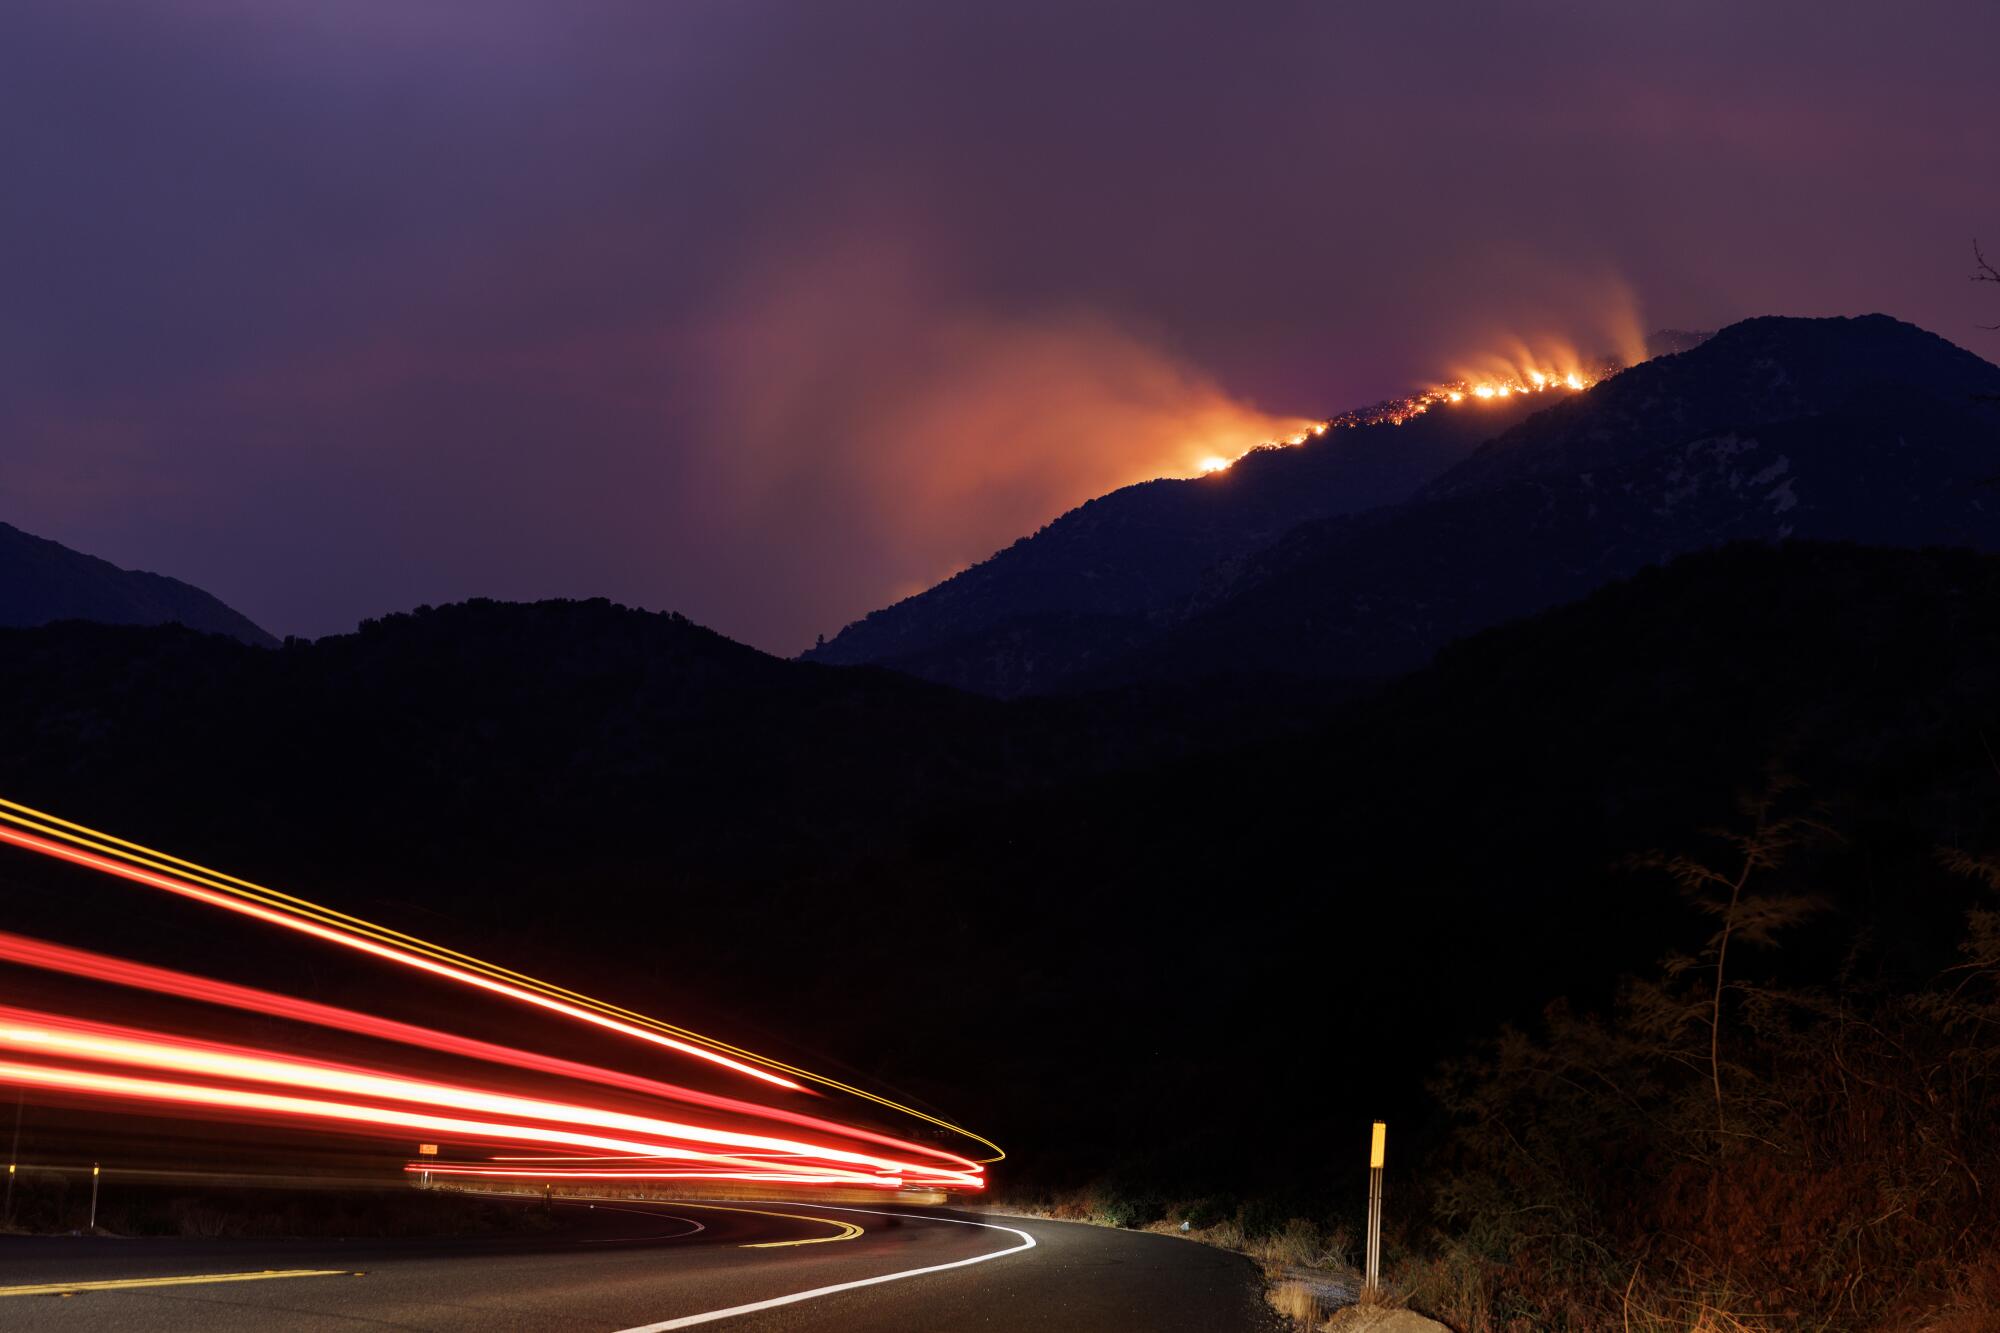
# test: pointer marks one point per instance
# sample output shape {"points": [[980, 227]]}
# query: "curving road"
{"points": [[651, 1266]]}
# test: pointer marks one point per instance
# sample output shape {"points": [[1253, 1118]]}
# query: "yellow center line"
{"points": [[848, 1231], [122, 1284]]}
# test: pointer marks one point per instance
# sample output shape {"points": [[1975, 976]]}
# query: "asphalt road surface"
{"points": [[651, 1266]]}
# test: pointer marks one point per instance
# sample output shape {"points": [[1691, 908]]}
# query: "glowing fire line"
{"points": [[1567, 374]]}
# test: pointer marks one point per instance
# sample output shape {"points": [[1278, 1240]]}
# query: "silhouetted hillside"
{"points": [[1301, 924], [43, 581], [979, 902], [484, 735], [542, 724]]}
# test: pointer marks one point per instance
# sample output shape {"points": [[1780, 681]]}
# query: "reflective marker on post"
{"points": [[1371, 1283]]}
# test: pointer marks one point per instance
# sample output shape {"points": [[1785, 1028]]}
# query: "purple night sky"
{"points": [[772, 313]]}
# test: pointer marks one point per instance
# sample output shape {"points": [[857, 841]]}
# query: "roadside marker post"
{"points": [[96, 1170], [1371, 1283]]}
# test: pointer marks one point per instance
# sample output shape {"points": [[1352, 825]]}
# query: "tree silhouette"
{"points": [[1752, 918], [1983, 271]]}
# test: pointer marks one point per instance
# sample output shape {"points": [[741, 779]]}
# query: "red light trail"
{"points": [[163, 981], [174, 1074], [527, 1119], [350, 940]]}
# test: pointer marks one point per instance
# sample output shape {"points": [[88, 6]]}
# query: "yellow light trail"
{"points": [[136, 854]]}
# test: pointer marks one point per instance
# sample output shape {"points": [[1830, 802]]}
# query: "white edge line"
{"points": [[640, 1212], [710, 1316], [592, 1201]]}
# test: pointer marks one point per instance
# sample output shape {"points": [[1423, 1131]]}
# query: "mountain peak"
{"points": [[43, 581], [1766, 369], [1360, 552]]}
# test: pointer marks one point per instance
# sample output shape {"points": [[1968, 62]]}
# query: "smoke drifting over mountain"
{"points": [[767, 312], [926, 432]]}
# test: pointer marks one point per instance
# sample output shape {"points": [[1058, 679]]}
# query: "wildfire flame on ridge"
{"points": [[1521, 374]]}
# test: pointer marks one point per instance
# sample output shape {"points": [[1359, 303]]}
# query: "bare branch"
{"points": [[1983, 271]]}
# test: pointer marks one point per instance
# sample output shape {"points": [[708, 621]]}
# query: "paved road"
{"points": [[657, 1266]]}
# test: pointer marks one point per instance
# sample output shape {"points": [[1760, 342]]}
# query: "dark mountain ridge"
{"points": [[1091, 586], [532, 726], [43, 581], [1843, 430], [534, 722], [1862, 429], [1110, 563], [1380, 594], [1753, 373]]}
